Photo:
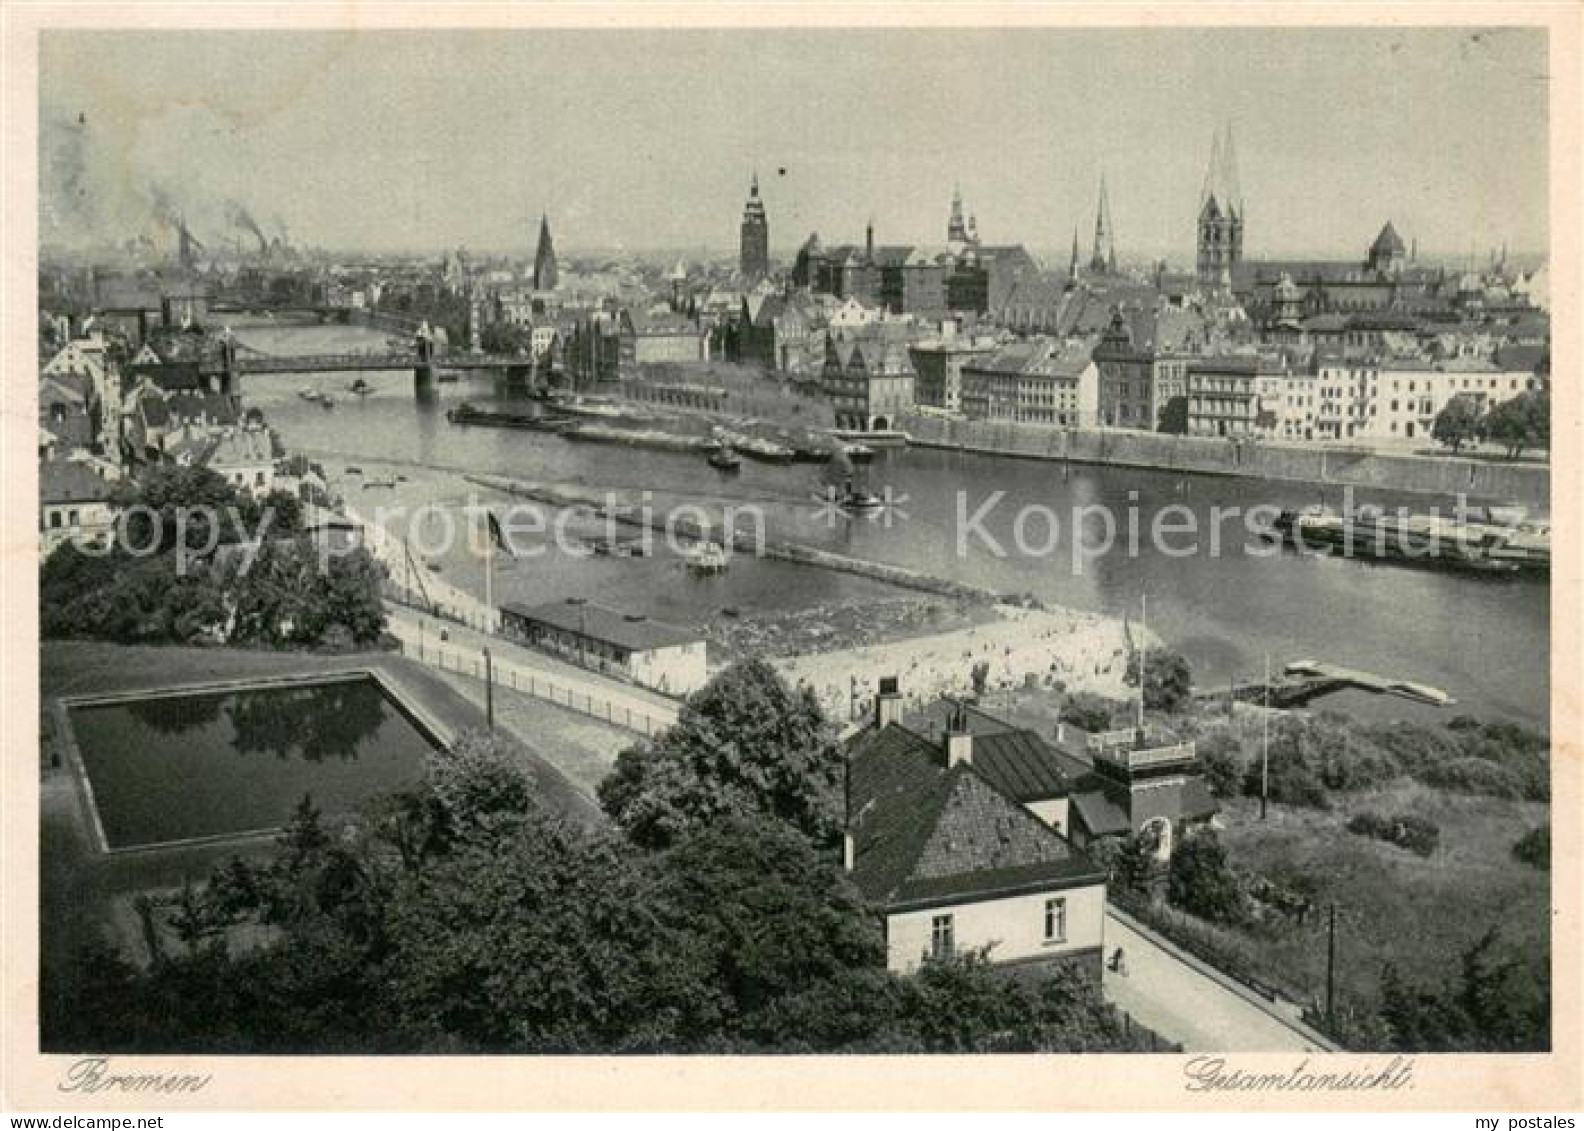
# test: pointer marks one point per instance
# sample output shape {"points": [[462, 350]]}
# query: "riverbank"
{"points": [[1019, 646], [1479, 480]]}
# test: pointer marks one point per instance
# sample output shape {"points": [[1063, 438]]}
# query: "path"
{"points": [[531, 672], [1185, 1001]]}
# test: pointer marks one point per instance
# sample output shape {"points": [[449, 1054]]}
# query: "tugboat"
{"points": [[853, 499], [724, 459]]}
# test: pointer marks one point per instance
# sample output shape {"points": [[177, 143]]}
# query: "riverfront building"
{"points": [[629, 646], [1034, 381]]}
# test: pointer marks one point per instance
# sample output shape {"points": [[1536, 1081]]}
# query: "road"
{"points": [[1178, 998]]}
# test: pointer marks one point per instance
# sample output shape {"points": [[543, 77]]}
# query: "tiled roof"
{"points": [[1100, 815], [924, 833], [599, 622], [243, 448], [66, 481]]}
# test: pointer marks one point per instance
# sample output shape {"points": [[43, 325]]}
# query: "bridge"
{"points": [[236, 360], [246, 366]]}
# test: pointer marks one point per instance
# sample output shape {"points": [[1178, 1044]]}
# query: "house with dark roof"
{"points": [[1139, 780], [941, 847], [665, 657], [74, 505]]}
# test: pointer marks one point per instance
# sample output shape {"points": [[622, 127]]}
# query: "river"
{"points": [[1486, 642]]}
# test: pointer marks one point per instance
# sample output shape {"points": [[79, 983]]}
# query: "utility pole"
{"points": [[1143, 655], [489, 690], [1265, 744], [1331, 969]]}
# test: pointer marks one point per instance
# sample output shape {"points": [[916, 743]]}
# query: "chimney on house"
{"points": [[958, 741], [888, 703]]}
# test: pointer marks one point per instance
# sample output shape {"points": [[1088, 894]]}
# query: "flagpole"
{"points": [[489, 573]]}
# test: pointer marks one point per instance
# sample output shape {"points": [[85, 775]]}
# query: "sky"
{"points": [[381, 141]]}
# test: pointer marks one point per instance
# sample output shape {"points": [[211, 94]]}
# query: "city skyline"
{"points": [[587, 127]]}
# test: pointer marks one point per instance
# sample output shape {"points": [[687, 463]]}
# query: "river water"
{"points": [[959, 516]]}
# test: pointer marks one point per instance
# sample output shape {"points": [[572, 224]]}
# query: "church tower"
{"points": [[545, 276], [753, 257], [1220, 215], [1102, 260], [956, 226]]}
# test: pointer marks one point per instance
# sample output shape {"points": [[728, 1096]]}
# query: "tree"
{"points": [[1168, 681], [1201, 881], [1089, 711], [1522, 422], [1457, 423], [744, 745], [1221, 755], [1174, 416]]}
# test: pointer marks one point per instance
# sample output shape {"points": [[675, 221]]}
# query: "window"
{"points": [[1056, 920], [941, 940]]}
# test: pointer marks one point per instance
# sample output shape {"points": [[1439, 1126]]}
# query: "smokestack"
{"points": [[958, 742], [888, 703], [848, 851]]}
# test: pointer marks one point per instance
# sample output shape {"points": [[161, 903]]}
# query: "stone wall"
{"points": [[1493, 481]]}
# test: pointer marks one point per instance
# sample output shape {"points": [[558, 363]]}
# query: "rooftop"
{"points": [[631, 632]]}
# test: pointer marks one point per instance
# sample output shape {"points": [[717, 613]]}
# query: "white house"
{"points": [[953, 862], [74, 505]]}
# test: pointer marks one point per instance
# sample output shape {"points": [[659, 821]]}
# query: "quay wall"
{"points": [[1528, 484]]}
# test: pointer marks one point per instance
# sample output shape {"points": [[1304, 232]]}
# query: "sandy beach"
{"points": [[1083, 651]]}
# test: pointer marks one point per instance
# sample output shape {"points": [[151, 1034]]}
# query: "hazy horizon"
{"points": [[640, 140]]}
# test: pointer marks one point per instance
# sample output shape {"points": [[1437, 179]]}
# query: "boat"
{"points": [[326, 400], [724, 459], [432, 564], [361, 387], [466, 414], [853, 500], [1405, 539], [754, 447], [858, 453], [448, 378], [307, 394], [354, 471], [706, 558], [368, 483]]}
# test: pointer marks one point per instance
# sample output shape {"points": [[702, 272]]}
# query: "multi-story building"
{"points": [[938, 364], [74, 505], [869, 379], [1224, 397], [1033, 381], [1137, 380], [1407, 394]]}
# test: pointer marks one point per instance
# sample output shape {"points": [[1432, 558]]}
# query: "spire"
{"points": [[1221, 176], [1072, 264], [545, 274], [1229, 174], [753, 188], [1103, 258]]}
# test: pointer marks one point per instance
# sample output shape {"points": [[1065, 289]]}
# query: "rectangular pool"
{"points": [[169, 768]]}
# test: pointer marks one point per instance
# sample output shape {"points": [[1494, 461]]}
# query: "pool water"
{"points": [[210, 764]]}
